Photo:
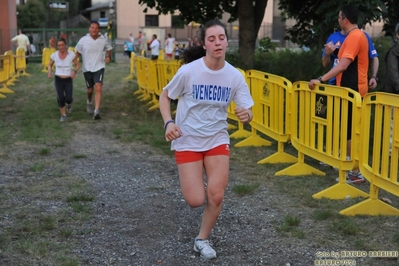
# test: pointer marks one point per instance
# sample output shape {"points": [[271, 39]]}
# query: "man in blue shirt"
{"points": [[330, 55]]}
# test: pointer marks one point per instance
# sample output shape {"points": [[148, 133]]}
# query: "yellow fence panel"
{"points": [[4, 73], [271, 94], [240, 132], [20, 62], [47, 52], [132, 62], [142, 77], [12, 75], [319, 129], [379, 152], [166, 69], [152, 84]]}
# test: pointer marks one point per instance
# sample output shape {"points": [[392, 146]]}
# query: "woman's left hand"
{"points": [[244, 115]]}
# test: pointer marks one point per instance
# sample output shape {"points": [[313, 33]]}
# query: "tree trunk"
{"points": [[250, 16]]}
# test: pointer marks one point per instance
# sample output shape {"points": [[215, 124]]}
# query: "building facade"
{"points": [[8, 24]]}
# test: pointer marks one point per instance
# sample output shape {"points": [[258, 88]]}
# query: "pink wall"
{"points": [[8, 24]]}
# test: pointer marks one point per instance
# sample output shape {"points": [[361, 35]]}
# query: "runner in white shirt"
{"points": [[92, 48], [169, 46], [64, 74], [205, 87], [154, 46]]}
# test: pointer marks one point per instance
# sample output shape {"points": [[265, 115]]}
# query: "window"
{"points": [[151, 20], [177, 22]]}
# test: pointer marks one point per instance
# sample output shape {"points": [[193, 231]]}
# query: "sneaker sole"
{"points": [[97, 117]]}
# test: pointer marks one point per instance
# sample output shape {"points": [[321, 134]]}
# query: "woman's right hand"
{"points": [[172, 132], [50, 74]]}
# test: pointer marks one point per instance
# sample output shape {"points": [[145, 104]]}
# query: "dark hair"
{"points": [[61, 40], [95, 22], [351, 13], [195, 52], [169, 35], [155, 36]]}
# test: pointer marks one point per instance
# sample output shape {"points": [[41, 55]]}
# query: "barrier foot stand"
{"points": [[279, 157], [44, 70], [153, 101], [145, 97], [155, 106], [25, 74], [241, 133], [253, 140], [139, 91], [6, 90], [231, 127], [300, 168], [2, 96], [342, 190], [372, 206], [129, 77]]}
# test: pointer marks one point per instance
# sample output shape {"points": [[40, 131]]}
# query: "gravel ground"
{"points": [[140, 217]]}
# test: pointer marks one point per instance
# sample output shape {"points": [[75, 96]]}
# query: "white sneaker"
{"points": [[90, 108], [69, 108], [96, 115], [203, 247]]}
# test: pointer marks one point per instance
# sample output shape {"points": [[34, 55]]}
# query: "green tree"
{"points": [[391, 18], [31, 15], [249, 14], [316, 20]]}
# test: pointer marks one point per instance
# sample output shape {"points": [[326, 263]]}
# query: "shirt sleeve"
{"points": [[176, 86], [372, 51], [243, 97]]}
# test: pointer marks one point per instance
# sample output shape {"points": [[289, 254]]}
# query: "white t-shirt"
{"points": [[169, 45], [92, 52], [22, 41], [63, 67], [154, 47], [204, 96]]}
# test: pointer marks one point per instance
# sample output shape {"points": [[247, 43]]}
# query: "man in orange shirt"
{"points": [[351, 69]]}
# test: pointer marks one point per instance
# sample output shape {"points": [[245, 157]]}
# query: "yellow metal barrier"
{"points": [[161, 54], [272, 96], [47, 52], [240, 132], [132, 61], [12, 75], [319, 129], [152, 84], [141, 75], [379, 165], [166, 69], [147, 80], [257, 80], [20, 62], [4, 73]]}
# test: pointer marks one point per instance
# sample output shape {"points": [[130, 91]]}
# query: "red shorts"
{"points": [[193, 156], [169, 55]]}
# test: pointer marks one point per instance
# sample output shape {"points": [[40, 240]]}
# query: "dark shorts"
{"points": [[94, 77], [154, 57]]}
